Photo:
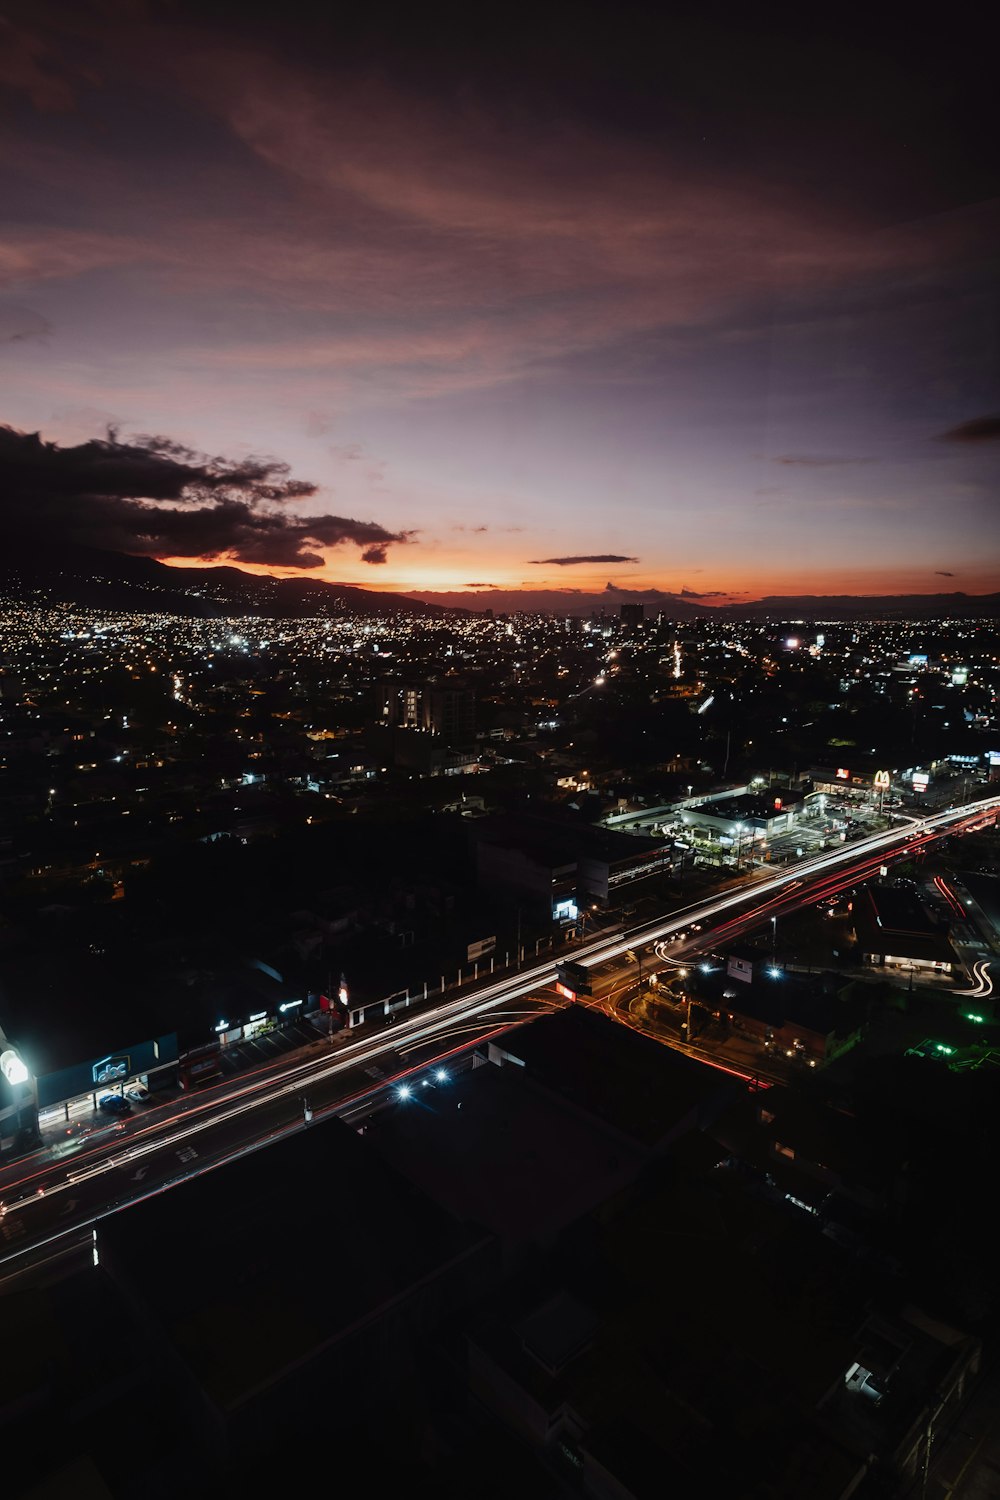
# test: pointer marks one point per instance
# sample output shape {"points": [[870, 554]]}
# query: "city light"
{"points": [[12, 1067]]}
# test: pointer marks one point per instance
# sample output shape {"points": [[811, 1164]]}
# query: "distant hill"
{"points": [[575, 602], [867, 607], [115, 580], [569, 603]]}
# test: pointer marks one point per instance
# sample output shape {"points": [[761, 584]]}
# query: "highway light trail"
{"points": [[815, 877], [982, 981], [956, 906]]}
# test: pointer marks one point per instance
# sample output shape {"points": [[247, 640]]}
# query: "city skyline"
{"points": [[642, 301]]}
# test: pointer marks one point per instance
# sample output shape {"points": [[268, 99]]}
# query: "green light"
{"points": [[970, 1015], [940, 1047]]}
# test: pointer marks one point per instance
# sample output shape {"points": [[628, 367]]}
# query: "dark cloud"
{"points": [[568, 562], [818, 461], [704, 594], [941, 573], [154, 497], [978, 430], [460, 527], [481, 585]]}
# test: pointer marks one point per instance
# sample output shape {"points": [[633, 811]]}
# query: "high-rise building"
{"points": [[632, 614], [450, 712]]}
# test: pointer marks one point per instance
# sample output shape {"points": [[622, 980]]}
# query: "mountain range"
{"points": [[89, 578], [576, 602], [93, 579]]}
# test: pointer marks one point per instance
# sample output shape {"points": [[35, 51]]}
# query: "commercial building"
{"points": [[894, 931], [743, 824], [51, 1056], [561, 867]]}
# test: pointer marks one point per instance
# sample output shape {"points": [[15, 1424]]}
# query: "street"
{"points": [[50, 1197]]}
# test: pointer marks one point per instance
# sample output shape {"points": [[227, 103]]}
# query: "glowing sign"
{"points": [[843, 774], [921, 781], [12, 1067], [109, 1069], [882, 780]]}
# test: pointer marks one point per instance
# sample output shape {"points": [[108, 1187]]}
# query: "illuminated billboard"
{"points": [[12, 1067], [110, 1069]]}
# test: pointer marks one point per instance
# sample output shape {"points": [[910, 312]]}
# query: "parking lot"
{"points": [[267, 1045]]}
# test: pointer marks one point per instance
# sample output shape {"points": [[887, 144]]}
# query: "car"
{"points": [[114, 1104], [138, 1093]]}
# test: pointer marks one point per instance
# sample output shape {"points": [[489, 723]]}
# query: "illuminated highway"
{"points": [[50, 1206]]}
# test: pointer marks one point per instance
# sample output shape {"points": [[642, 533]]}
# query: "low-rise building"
{"points": [[894, 931]]}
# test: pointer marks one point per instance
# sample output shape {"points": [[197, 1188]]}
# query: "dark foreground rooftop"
{"points": [[281, 1253]]}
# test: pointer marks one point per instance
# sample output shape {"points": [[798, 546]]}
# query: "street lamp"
{"points": [[774, 939]]}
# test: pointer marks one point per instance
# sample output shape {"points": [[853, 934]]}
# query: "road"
{"points": [[50, 1204]]}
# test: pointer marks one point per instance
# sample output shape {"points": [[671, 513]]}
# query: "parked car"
{"points": [[138, 1093], [114, 1104]]}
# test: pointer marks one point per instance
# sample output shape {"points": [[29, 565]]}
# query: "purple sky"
{"points": [[713, 303]]}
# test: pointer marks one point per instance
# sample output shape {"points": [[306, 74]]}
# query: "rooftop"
{"points": [[644, 1091], [495, 1149], [237, 1303]]}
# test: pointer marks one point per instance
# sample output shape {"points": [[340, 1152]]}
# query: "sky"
{"points": [[418, 299]]}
